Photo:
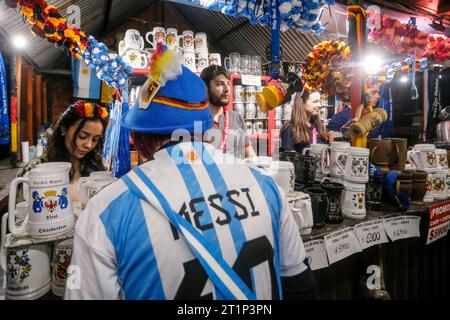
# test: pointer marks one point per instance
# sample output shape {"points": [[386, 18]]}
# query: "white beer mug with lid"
{"points": [[202, 61], [188, 41], [338, 156], [189, 61], [353, 200], [215, 59], [320, 152], [423, 156], [172, 38], [357, 165], [439, 185], [158, 36], [90, 186], [283, 173], [441, 159], [27, 269], [62, 255], [201, 44], [50, 207]]}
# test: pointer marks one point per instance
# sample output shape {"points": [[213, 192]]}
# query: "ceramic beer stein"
{"points": [[305, 170], [319, 204], [158, 35], [380, 153], [90, 186], [423, 156], [353, 200], [334, 192], [201, 44], [215, 59], [283, 173], [429, 185], [303, 210], [439, 185], [398, 154], [441, 159], [320, 152], [50, 206], [419, 188], [62, 255], [188, 41], [357, 165], [27, 269], [338, 156], [369, 121], [172, 38], [374, 193], [189, 61]]}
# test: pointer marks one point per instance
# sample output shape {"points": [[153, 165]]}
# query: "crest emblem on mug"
{"points": [[19, 267], [430, 158], [62, 264], [188, 41]]}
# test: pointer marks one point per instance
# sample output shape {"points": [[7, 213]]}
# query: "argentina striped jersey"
{"points": [[125, 247]]}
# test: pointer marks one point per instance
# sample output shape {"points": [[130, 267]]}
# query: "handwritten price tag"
{"points": [[341, 244], [371, 233], [316, 254], [402, 227], [251, 80]]}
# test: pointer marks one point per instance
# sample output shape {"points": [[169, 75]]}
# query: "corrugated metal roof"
{"points": [[225, 34], [229, 34]]}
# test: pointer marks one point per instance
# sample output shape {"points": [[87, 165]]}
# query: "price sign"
{"points": [[371, 233], [439, 221], [316, 254], [341, 244], [251, 80], [402, 227]]}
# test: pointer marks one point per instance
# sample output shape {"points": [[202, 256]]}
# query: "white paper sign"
{"points": [[341, 244], [371, 233], [251, 80], [316, 254], [402, 227]]}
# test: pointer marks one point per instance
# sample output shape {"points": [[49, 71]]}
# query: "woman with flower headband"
{"points": [[305, 126], [77, 138]]}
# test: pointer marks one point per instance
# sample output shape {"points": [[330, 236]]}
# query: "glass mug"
{"points": [[233, 63]]}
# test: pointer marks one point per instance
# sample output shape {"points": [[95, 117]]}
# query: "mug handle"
{"points": [[304, 151], [150, 42], [2, 247], [180, 41], [141, 43], [325, 156], [410, 155], [396, 154], [226, 63], [15, 230], [372, 152]]}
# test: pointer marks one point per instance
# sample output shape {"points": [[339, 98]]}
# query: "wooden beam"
{"points": [[38, 108], [30, 105], [44, 102]]}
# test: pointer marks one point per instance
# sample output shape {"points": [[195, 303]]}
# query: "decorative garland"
{"points": [[438, 48], [400, 38], [303, 15], [403, 66], [48, 23], [328, 68]]}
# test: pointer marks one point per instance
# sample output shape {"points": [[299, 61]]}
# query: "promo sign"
{"points": [[439, 221]]}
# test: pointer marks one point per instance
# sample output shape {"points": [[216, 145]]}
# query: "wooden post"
{"points": [[38, 108], [30, 106], [18, 106], [44, 102]]}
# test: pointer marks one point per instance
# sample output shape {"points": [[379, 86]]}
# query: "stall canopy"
{"points": [[225, 34]]}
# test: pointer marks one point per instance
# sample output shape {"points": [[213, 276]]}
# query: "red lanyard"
{"points": [[226, 129]]}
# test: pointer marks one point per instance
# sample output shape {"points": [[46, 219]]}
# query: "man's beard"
{"points": [[216, 101]]}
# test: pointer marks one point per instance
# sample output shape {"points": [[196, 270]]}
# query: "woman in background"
{"points": [[305, 126]]}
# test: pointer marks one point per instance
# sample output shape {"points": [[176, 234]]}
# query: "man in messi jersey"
{"points": [[189, 223]]}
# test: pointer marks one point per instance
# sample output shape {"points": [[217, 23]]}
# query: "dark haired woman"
{"points": [[77, 138], [305, 126]]}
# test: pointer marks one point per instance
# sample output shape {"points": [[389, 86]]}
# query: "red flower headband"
{"points": [[91, 110]]}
